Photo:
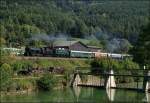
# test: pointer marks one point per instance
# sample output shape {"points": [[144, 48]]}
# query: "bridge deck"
{"points": [[91, 85], [108, 74]]}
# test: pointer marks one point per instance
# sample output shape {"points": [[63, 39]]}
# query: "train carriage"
{"points": [[81, 54]]}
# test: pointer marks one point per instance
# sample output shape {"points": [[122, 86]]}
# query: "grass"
{"points": [[67, 64]]}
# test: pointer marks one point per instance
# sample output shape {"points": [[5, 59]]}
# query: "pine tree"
{"points": [[141, 51]]}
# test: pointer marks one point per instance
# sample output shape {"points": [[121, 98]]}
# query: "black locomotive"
{"points": [[44, 51]]}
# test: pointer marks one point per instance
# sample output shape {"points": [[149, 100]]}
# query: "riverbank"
{"points": [[21, 75], [16, 92], [28, 91], [26, 84], [24, 74]]}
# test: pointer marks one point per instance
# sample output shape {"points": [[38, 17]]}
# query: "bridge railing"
{"points": [[128, 78]]}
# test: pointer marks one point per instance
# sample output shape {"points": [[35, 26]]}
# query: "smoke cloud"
{"points": [[112, 43], [49, 38]]}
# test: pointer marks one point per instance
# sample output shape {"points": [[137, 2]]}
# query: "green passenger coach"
{"points": [[82, 54]]}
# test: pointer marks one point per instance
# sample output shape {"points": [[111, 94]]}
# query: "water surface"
{"points": [[79, 94]]}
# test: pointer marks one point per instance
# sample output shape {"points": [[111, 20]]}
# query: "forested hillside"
{"points": [[21, 19]]}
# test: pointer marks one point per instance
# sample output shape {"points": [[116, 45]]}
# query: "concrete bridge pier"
{"points": [[146, 82], [110, 80], [76, 80]]}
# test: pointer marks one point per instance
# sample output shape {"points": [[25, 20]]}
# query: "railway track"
{"points": [[49, 58]]}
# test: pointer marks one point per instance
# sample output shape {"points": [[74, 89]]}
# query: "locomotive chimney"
{"points": [[51, 43]]}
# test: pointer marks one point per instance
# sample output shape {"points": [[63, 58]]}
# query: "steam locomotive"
{"points": [[63, 52]]}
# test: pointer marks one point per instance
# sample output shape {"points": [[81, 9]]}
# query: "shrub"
{"points": [[24, 84], [21, 84], [129, 64], [95, 63], [46, 82], [17, 66], [43, 63], [105, 63], [5, 75]]}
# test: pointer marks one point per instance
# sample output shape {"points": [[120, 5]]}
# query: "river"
{"points": [[79, 94]]}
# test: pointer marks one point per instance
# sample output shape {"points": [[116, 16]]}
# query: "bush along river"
{"points": [[79, 94]]}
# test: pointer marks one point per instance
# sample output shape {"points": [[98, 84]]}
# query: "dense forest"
{"points": [[104, 20]]}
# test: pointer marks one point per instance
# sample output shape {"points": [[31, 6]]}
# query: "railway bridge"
{"points": [[137, 79]]}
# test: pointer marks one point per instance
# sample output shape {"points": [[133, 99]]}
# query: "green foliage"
{"points": [[26, 64], [22, 65], [2, 42], [5, 75], [43, 63], [68, 65], [17, 66], [24, 84], [21, 85], [37, 43], [120, 67], [141, 51], [95, 63], [105, 63], [129, 64], [46, 82], [6, 57], [95, 43], [20, 20]]}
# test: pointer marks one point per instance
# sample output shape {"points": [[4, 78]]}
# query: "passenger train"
{"points": [[60, 52]]}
